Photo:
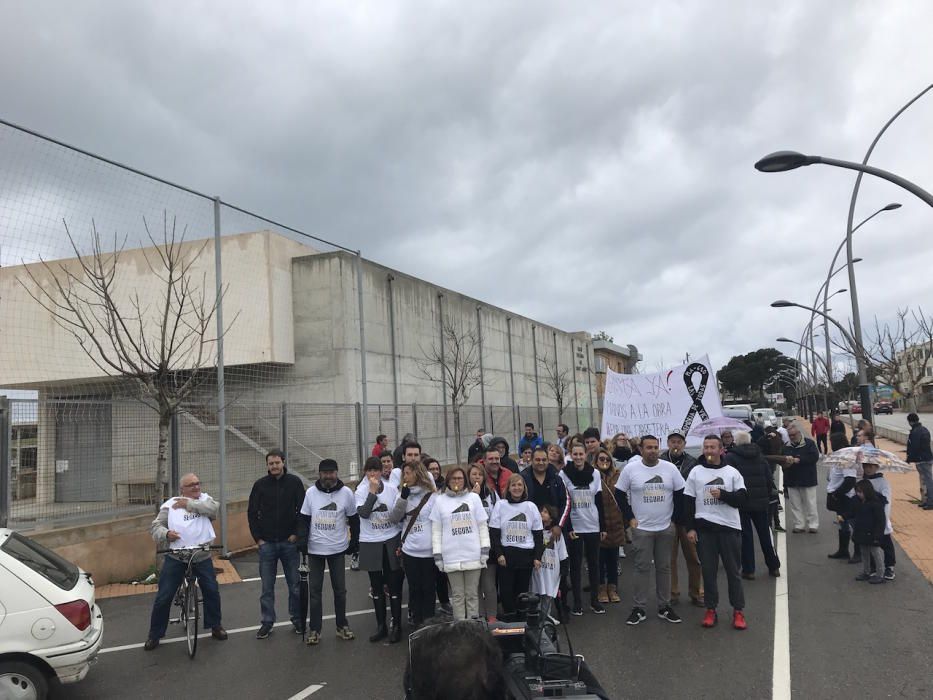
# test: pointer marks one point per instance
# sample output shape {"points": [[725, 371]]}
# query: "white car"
{"points": [[50, 627]]}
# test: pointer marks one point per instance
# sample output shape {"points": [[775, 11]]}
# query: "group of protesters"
{"points": [[557, 523]]}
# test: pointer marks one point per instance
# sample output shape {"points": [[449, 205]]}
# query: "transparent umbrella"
{"points": [[856, 456], [717, 425]]}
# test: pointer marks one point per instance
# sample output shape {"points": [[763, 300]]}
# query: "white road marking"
{"points": [[780, 671], [257, 578], [238, 630], [310, 690]]}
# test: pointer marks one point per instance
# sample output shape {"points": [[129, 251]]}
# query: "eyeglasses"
{"points": [[603, 459], [191, 485]]}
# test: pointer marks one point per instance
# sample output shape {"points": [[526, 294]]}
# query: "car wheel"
{"points": [[22, 681]]}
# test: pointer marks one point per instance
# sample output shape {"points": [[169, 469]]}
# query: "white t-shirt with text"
{"points": [[329, 532], [650, 492], [418, 541], [546, 580], [377, 527], [516, 522], [701, 481], [583, 514], [195, 529], [459, 517]]}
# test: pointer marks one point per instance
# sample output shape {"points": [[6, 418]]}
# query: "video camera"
{"points": [[534, 665]]}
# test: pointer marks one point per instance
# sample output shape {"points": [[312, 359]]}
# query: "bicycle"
{"points": [[188, 597]]}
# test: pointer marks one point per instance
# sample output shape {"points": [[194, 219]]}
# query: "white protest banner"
{"points": [[656, 404]]}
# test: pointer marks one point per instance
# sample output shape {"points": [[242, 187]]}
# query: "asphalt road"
{"points": [[898, 420], [847, 639]]}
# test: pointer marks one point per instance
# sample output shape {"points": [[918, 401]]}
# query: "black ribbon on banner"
{"points": [[696, 393]]}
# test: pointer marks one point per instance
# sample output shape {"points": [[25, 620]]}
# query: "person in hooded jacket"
{"points": [[517, 539], [478, 448], [413, 510], [615, 529], [588, 523], [329, 512], [380, 539], [460, 541], [759, 485], [276, 526], [502, 445]]}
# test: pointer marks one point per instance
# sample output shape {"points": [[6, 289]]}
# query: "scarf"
{"points": [[580, 478]]}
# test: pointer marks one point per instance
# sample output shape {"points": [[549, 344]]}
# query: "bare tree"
{"points": [[557, 382], [900, 352], [453, 362], [162, 344]]}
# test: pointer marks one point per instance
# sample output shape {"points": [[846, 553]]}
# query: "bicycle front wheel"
{"points": [[192, 615]]}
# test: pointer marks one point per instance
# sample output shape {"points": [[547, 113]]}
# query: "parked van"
{"points": [[741, 411]]}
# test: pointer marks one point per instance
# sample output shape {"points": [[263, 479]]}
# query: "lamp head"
{"points": [[781, 303], [892, 206], [779, 161], [784, 340]]}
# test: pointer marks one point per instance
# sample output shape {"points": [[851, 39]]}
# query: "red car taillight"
{"points": [[77, 612]]}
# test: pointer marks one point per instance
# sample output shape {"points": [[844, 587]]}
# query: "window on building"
{"points": [[600, 363]]}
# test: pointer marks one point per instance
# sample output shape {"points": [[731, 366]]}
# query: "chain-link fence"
{"points": [[140, 317], [84, 460]]}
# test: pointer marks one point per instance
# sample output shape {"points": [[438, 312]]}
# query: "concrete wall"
{"points": [[119, 550], [327, 365], [257, 307]]}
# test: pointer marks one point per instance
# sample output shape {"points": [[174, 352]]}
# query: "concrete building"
{"points": [[294, 339], [608, 355]]}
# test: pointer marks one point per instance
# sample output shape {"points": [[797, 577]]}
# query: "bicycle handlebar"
{"points": [[190, 550]]}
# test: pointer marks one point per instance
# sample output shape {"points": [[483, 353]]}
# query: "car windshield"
{"points": [[43, 561]]}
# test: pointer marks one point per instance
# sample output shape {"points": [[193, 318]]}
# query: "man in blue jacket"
{"points": [[531, 439], [919, 453]]}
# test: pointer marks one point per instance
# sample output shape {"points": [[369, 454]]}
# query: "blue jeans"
{"points": [[270, 553], [925, 469], [173, 573]]}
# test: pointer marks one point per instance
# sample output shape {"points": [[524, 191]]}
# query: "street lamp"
{"points": [[783, 303], [782, 161], [778, 162]]}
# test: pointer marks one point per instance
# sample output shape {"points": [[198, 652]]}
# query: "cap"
{"points": [[677, 433], [327, 465]]}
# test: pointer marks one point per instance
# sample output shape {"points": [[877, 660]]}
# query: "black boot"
{"points": [[395, 630], [379, 604], [843, 551]]}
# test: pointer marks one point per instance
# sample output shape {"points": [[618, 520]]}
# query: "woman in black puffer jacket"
{"points": [[759, 483]]}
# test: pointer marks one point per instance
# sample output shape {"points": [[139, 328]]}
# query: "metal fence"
{"points": [[69, 461]]}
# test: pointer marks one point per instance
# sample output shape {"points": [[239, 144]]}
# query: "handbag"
{"points": [[412, 517]]}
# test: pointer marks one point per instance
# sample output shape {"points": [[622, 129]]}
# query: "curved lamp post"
{"points": [[788, 160]]}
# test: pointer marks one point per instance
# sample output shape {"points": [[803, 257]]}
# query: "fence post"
{"points": [[492, 422], [414, 420], [221, 399], [283, 425], [6, 427], [175, 440], [360, 450]]}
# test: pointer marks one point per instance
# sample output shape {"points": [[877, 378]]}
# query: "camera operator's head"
{"points": [[454, 661]]}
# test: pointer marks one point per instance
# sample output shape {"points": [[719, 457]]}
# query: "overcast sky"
{"points": [[586, 164]]}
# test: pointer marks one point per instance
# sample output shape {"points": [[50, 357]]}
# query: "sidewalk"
{"points": [[226, 573], [913, 526]]}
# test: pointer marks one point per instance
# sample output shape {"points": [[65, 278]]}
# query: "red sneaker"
{"points": [[738, 620], [710, 619]]}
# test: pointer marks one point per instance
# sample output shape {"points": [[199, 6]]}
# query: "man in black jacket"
{"points": [[676, 442], [759, 484], [545, 487], [919, 452], [276, 526], [800, 480]]}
